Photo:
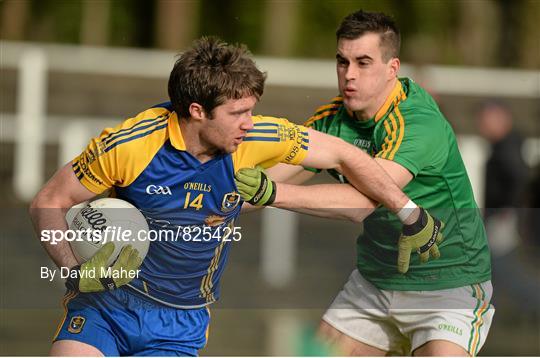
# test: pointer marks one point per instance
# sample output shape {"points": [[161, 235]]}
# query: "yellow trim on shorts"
{"points": [[65, 301], [208, 327], [478, 320], [145, 286]]}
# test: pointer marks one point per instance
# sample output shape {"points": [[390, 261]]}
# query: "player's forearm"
{"points": [[336, 201], [44, 217], [370, 178]]}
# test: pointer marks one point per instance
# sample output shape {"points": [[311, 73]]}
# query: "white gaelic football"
{"points": [[107, 220]]}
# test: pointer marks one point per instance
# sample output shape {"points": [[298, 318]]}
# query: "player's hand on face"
{"points": [[94, 275], [422, 237], [254, 186]]}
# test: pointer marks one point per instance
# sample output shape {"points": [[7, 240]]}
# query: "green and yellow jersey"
{"points": [[410, 130]]}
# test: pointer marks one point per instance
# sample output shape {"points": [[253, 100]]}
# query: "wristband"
{"points": [[263, 187], [407, 210], [417, 226], [272, 197]]}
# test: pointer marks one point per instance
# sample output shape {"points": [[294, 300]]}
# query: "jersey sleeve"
{"points": [[95, 168], [272, 141], [317, 120], [118, 155], [414, 140]]}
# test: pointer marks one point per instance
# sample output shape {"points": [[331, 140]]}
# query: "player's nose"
{"points": [[351, 73], [247, 123]]}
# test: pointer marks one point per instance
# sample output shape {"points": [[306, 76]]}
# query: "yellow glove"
{"points": [[423, 236], [254, 186], [89, 277]]}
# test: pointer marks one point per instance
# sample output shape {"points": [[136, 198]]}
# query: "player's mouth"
{"points": [[349, 91], [238, 140]]}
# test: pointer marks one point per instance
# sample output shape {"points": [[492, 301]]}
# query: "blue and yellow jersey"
{"points": [[144, 160]]}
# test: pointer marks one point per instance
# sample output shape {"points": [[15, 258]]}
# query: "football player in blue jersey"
{"points": [[176, 162]]}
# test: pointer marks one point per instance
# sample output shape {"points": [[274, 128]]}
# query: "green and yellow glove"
{"points": [[255, 187], [91, 275], [423, 236]]}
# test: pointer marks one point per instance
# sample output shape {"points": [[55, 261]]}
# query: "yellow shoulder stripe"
{"points": [[128, 134], [396, 96], [334, 102], [394, 135], [327, 113], [328, 106], [326, 110]]}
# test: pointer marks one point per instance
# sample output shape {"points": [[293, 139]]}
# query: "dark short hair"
{"points": [[211, 72], [361, 22]]}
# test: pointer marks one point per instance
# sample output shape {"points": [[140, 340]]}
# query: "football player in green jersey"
{"points": [[441, 307]]}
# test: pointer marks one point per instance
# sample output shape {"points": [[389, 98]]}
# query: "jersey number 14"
{"points": [[195, 203]]}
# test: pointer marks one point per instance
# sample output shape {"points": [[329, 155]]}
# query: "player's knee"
{"points": [[65, 348], [342, 344], [327, 333], [440, 348]]}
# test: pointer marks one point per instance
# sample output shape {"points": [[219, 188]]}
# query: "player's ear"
{"points": [[196, 111], [393, 67]]}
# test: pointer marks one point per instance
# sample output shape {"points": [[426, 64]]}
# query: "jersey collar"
{"points": [[175, 134], [397, 95]]}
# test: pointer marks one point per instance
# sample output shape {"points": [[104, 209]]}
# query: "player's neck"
{"points": [[368, 113], [195, 145]]}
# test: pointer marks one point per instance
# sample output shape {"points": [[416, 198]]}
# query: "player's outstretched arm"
{"points": [[285, 174], [333, 201], [328, 152], [421, 232], [49, 207], [362, 171]]}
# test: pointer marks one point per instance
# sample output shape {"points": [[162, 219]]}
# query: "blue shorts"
{"points": [[124, 322]]}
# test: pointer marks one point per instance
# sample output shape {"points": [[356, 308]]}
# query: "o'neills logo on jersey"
{"points": [[158, 190], [230, 201], [362, 143]]}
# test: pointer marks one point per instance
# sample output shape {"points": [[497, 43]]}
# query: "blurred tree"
{"points": [[14, 19], [132, 23], [427, 31], [508, 47], [95, 22], [479, 32], [280, 27], [320, 19], [55, 21], [176, 23], [233, 21], [528, 20]]}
